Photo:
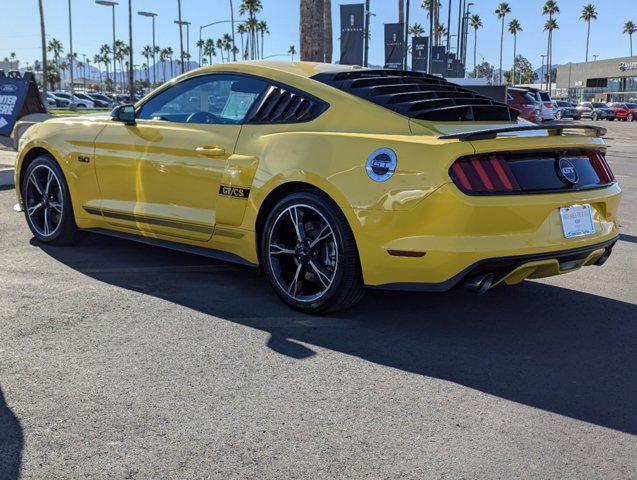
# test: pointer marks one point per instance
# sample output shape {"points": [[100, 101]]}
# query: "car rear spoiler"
{"points": [[558, 128]]}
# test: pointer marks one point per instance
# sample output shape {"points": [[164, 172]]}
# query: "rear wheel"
{"points": [[47, 203], [309, 254]]}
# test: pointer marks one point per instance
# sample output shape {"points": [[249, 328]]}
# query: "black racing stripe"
{"points": [[150, 220]]}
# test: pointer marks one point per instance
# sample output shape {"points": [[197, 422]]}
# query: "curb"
{"points": [[7, 177]]}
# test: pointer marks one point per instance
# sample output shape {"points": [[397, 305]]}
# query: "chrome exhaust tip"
{"points": [[480, 283]]}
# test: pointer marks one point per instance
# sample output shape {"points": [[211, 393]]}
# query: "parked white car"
{"points": [[78, 101]]}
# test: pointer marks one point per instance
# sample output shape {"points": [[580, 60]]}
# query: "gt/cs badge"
{"points": [[381, 165], [235, 192]]}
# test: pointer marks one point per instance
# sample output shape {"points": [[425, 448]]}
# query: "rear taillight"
{"points": [[548, 105], [601, 167], [483, 175]]}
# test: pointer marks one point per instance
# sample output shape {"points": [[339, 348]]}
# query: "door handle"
{"points": [[211, 151]]}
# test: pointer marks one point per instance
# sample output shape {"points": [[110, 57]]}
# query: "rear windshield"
{"points": [[599, 105], [545, 97]]}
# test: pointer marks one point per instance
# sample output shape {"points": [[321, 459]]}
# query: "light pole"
{"points": [[542, 72], [180, 23], [152, 16], [210, 25], [131, 73], [234, 47], [181, 37], [366, 33], [71, 56], [108, 3]]}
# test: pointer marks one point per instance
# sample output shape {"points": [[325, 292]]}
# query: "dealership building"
{"points": [[612, 80]]}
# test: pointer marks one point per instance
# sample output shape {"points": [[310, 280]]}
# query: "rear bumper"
{"points": [[456, 233], [513, 270]]}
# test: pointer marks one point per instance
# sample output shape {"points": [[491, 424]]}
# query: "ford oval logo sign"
{"points": [[567, 172], [8, 88]]}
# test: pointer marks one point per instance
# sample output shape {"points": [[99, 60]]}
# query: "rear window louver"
{"points": [[420, 96], [280, 105]]}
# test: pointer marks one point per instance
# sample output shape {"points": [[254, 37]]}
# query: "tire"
{"points": [[558, 115], [49, 217], [327, 272], [630, 118], [594, 117]]}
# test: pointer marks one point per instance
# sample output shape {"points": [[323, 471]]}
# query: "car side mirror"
{"points": [[124, 113]]}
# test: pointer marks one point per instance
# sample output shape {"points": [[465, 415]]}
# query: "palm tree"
{"points": [[55, 47], [200, 43], [549, 26], [97, 60], [147, 53], [630, 29], [416, 30], [292, 51], [502, 11], [105, 52], [262, 27], [52, 74], [588, 13], [436, 20], [312, 31], [251, 26], [119, 55], [43, 40], [209, 49], [163, 56], [252, 7], [12, 58], [551, 9], [441, 30], [514, 29], [475, 23], [242, 30], [226, 42], [169, 55]]}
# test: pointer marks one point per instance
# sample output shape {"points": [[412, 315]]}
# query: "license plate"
{"points": [[577, 220]]}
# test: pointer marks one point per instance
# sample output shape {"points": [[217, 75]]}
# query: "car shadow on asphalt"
{"points": [[560, 350], [11, 442]]}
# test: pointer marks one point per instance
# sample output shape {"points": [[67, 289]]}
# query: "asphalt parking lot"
{"points": [[119, 360]]}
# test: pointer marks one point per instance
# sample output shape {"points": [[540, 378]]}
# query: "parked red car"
{"points": [[624, 111], [529, 108]]}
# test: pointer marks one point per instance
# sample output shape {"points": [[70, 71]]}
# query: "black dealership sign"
{"points": [[352, 33], [18, 96], [419, 53], [394, 45]]}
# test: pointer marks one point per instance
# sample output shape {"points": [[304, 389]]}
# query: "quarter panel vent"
{"points": [[282, 105]]}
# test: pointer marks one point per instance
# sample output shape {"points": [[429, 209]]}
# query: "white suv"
{"points": [[544, 99]]}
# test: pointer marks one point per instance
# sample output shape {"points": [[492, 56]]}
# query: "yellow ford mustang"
{"points": [[331, 178]]}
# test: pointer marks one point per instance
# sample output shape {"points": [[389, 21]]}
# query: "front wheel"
{"points": [[630, 117], [594, 117], [558, 115], [47, 203], [309, 254]]}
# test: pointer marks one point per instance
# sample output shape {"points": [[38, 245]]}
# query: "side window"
{"points": [[211, 99]]}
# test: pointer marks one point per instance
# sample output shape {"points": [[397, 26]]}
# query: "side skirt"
{"points": [[180, 247]]}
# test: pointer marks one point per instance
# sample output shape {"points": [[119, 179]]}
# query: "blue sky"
{"points": [[19, 26]]}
